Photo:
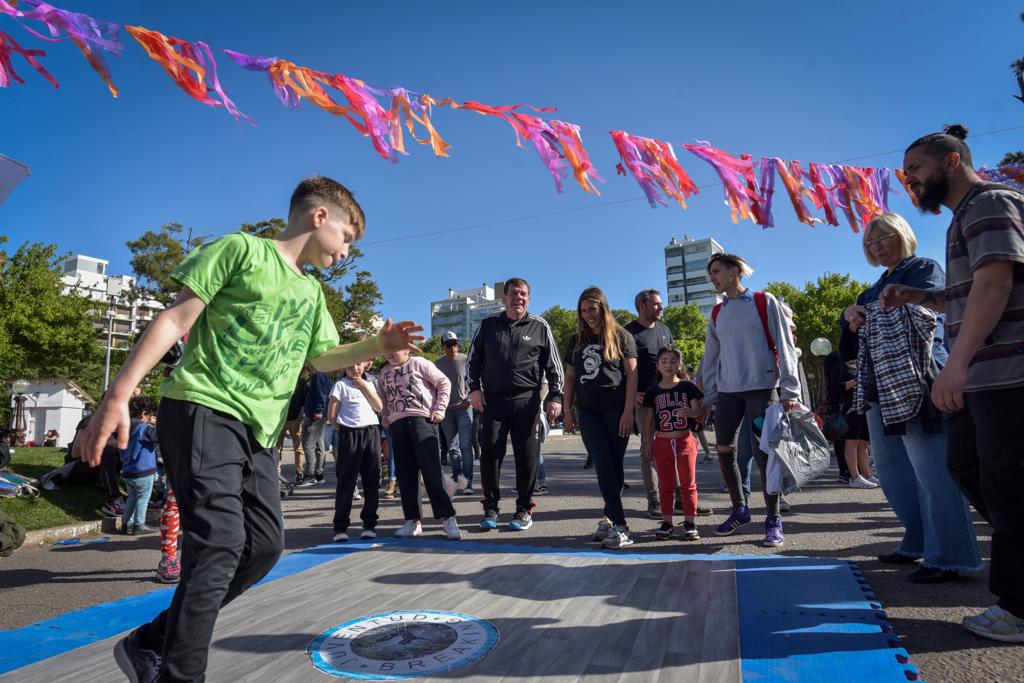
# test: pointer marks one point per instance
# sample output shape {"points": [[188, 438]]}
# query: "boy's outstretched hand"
{"points": [[399, 336], [110, 417]]}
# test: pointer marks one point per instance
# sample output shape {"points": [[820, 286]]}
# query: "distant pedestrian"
{"points": [[352, 411], [415, 394], [138, 465], [314, 428], [458, 417]]}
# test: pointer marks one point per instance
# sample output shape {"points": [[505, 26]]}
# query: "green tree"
{"points": [[622, 316], [1018, 71], [688, 327], [155, 255], [44, 333], [817, 307], [432, 348], [1012, 158], [563, 324]]}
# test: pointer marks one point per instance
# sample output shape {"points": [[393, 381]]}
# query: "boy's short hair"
{"points": [[137, 405], [315, 189]]}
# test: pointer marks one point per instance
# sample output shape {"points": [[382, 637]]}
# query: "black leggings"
{"points": [[730, 410]]}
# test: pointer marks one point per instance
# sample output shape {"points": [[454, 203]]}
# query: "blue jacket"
{"points": [[316, 397], [139, 459]]}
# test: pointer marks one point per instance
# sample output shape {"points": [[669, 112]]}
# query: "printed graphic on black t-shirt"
{"points": [[599, 385], [668, 405]]}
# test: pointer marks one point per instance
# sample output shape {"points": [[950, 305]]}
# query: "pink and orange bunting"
{"points": [[1008, 174], [90, 36], [737, 176], [9, 47], [560, 147], [792, 178], [187, 63], [654, 166], [407, 108]]}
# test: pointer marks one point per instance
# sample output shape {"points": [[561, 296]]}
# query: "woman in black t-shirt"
{"points": [[600, 374], [670, 410]]}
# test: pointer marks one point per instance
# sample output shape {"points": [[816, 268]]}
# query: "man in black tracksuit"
{"points": [[507, 362]]}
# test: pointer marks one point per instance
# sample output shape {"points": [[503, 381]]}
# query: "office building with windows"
{"points": [[463, 310], [686, 273]]}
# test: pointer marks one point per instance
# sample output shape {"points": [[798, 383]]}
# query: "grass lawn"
{"points": [[67, 505]]}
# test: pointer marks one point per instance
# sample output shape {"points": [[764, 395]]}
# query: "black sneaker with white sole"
{"points": [[137, 663]]}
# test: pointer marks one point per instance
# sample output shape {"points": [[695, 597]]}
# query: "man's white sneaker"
{"points": [[862, 483], [368, 534], [451, 529], [411, 528], [340, 537], [997, 624]]}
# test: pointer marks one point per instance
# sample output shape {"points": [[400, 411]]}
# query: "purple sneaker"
{"points": [[737, 518], [773, 537]]}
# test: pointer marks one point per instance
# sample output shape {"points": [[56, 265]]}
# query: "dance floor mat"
{"points": [[472, 611]]}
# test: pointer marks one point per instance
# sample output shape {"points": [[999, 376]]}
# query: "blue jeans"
{"points": [[600, 432], [458, 429], [137, 501], [936, 520]]}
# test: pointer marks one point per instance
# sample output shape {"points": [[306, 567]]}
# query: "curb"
{"points": [[41, 537], [107, 525]]}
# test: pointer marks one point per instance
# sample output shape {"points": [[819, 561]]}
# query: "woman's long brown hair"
{"points": [[608, 336]]}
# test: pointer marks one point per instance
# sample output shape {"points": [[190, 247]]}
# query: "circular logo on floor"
{"points": [[405, 644]]}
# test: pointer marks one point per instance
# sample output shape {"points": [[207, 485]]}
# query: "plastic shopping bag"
{"points": [[800, 453]]}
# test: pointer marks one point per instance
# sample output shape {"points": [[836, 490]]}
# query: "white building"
{"points": [[87, 276], [53, 404], [463, 310], [686, 273]]}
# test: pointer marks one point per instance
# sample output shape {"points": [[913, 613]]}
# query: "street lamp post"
{"points": [[821, 347], [114, 288], [20, 388]]}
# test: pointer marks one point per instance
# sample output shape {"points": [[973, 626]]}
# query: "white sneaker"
{"points": [[367, 534], [604, 527], [340, 537], [618, 538], [874, 480], [451, 529], [997, 624], [411, 528], [862, 483], [357, 495]]}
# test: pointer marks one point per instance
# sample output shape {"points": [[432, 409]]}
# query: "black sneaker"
{"points": [[654, 509], [664, 532], [541, 489], [305, 482], [690, 532], [138, 664], [704, 512], [319, 478]]}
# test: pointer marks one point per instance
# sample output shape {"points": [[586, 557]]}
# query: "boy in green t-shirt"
{"points": [[253, 318]]}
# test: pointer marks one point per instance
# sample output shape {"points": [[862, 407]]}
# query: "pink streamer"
{"points": [[655, 168], [736, 175]]}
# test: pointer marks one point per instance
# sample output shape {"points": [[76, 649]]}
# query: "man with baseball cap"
{"points": [[458, 418]]}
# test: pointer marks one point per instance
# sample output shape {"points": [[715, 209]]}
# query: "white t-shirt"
{"points": [[353, 408]]}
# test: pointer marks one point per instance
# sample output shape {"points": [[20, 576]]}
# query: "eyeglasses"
{"points": [[878, 241]]}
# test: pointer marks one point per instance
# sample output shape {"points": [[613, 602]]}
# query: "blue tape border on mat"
{"points": [[42, 640]]}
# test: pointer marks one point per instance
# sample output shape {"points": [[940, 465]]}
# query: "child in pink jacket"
{"points": [[415, 395]]}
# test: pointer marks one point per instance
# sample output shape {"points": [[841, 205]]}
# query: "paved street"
{"points": [[827, 520]]}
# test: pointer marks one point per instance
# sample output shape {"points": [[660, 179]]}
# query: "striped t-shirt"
{"points": [[987, 226]]}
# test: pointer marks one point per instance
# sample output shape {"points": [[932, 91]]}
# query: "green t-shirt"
{"points": [[261, 322]]}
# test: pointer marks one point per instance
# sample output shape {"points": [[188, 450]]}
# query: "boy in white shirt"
{"points": [[352, 410]]}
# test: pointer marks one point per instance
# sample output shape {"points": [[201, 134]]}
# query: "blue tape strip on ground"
{"points": [[807, 619]]}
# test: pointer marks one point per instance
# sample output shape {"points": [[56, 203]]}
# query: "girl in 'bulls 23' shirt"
{"points": [[671, 408]]}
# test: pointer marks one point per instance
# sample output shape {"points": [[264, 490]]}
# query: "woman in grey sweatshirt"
{"points": [[749, 355]]}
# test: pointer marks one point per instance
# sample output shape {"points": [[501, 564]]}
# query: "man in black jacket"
{"points": [[511, 354]]}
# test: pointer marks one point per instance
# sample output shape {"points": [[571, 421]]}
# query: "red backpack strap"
{"points": [[714, 314], [761, 301]]}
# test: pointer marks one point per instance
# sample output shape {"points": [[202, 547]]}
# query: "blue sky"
{"points": [[809, 81]]}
